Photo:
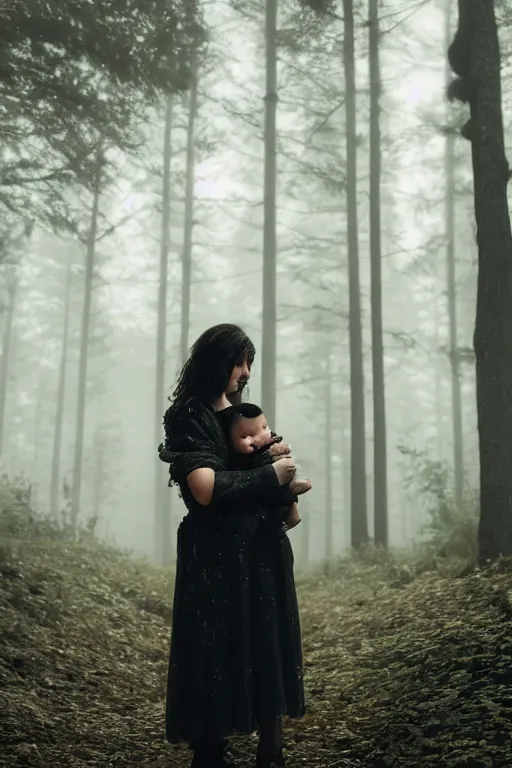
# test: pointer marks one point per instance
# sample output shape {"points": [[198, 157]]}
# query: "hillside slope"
{"points": [[402, 670]]}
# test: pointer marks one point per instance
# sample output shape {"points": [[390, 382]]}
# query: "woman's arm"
{"points": [[263, 485], [201, 482]]}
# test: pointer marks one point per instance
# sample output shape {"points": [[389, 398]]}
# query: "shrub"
{"points": [[451, 530], [19, 520]]}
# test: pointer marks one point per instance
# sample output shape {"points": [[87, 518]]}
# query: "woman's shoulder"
{"points": [[225, 416], [194, 418], [193, 408]]}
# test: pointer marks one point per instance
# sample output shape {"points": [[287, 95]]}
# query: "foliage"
{"points": [[394, 567], [451, 531], [80, 622], [78, 73], [19, 519], [16, 516], [320, 7], [397, 672]]}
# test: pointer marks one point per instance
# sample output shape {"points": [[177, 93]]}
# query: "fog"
{"points": [[117, 488]]}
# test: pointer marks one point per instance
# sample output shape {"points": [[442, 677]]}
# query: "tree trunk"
{"points": [[61, 394], [99, 468], [359, 520], [98, 484], [493, 328], [189, 215], [380, 479], [328, 467], [269, 318], [84, 346], [437, 372], [405, 512], [449, 169], [458, 445], [37, 442], [6, 351], [161, 533], [345, 479]]}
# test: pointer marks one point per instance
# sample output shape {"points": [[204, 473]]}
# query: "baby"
{"points": [[251, 443]]}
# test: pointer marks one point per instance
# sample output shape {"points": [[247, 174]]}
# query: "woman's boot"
{"points": [[273, 760], [270, 747], [210, 755]]}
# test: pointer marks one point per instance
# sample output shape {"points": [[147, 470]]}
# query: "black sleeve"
{"points": [[257, 486], [245, 467], [286, 497]]}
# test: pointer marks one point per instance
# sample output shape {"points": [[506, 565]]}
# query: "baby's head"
{"points": [[248, 429]]}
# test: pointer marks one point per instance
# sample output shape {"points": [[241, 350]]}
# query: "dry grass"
{"points": [[404, 669]]}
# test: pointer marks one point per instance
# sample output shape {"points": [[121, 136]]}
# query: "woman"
{"points": [[236, 660]]}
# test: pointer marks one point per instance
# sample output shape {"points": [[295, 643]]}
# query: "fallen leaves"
{"points": [[402, 669]]}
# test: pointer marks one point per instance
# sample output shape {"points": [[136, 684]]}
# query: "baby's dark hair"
{"points": [[230, 415], [246, 411]]}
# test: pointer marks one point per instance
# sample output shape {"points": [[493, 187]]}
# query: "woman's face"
{"points": [[239, 376]]}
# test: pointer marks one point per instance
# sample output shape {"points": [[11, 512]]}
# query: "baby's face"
{"points": [[248, 435]]}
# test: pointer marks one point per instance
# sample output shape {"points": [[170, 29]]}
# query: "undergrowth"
{"points": [[405, 665], [451, 530]]}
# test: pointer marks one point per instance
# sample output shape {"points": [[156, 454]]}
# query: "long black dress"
{"points": [[236, 652]]}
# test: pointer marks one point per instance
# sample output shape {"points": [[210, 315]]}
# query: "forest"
{"points": [[332, 175]]}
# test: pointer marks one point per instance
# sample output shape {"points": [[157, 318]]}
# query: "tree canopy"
{"points": [[75, 74]]}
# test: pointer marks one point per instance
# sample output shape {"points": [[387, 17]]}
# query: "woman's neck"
{"points": [[221, 403]]}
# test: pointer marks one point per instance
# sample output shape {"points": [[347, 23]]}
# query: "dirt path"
{"points": [[402, 670]]}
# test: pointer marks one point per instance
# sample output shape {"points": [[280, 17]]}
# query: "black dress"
{"points": [[236, 652]]}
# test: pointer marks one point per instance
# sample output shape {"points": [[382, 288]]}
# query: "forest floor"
{"points": [[405, 666]]}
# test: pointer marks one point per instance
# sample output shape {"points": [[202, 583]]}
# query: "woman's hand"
{"points": [[285, 469]]}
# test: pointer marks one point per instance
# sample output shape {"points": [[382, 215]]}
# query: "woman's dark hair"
{"points": [[212, 358]]}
